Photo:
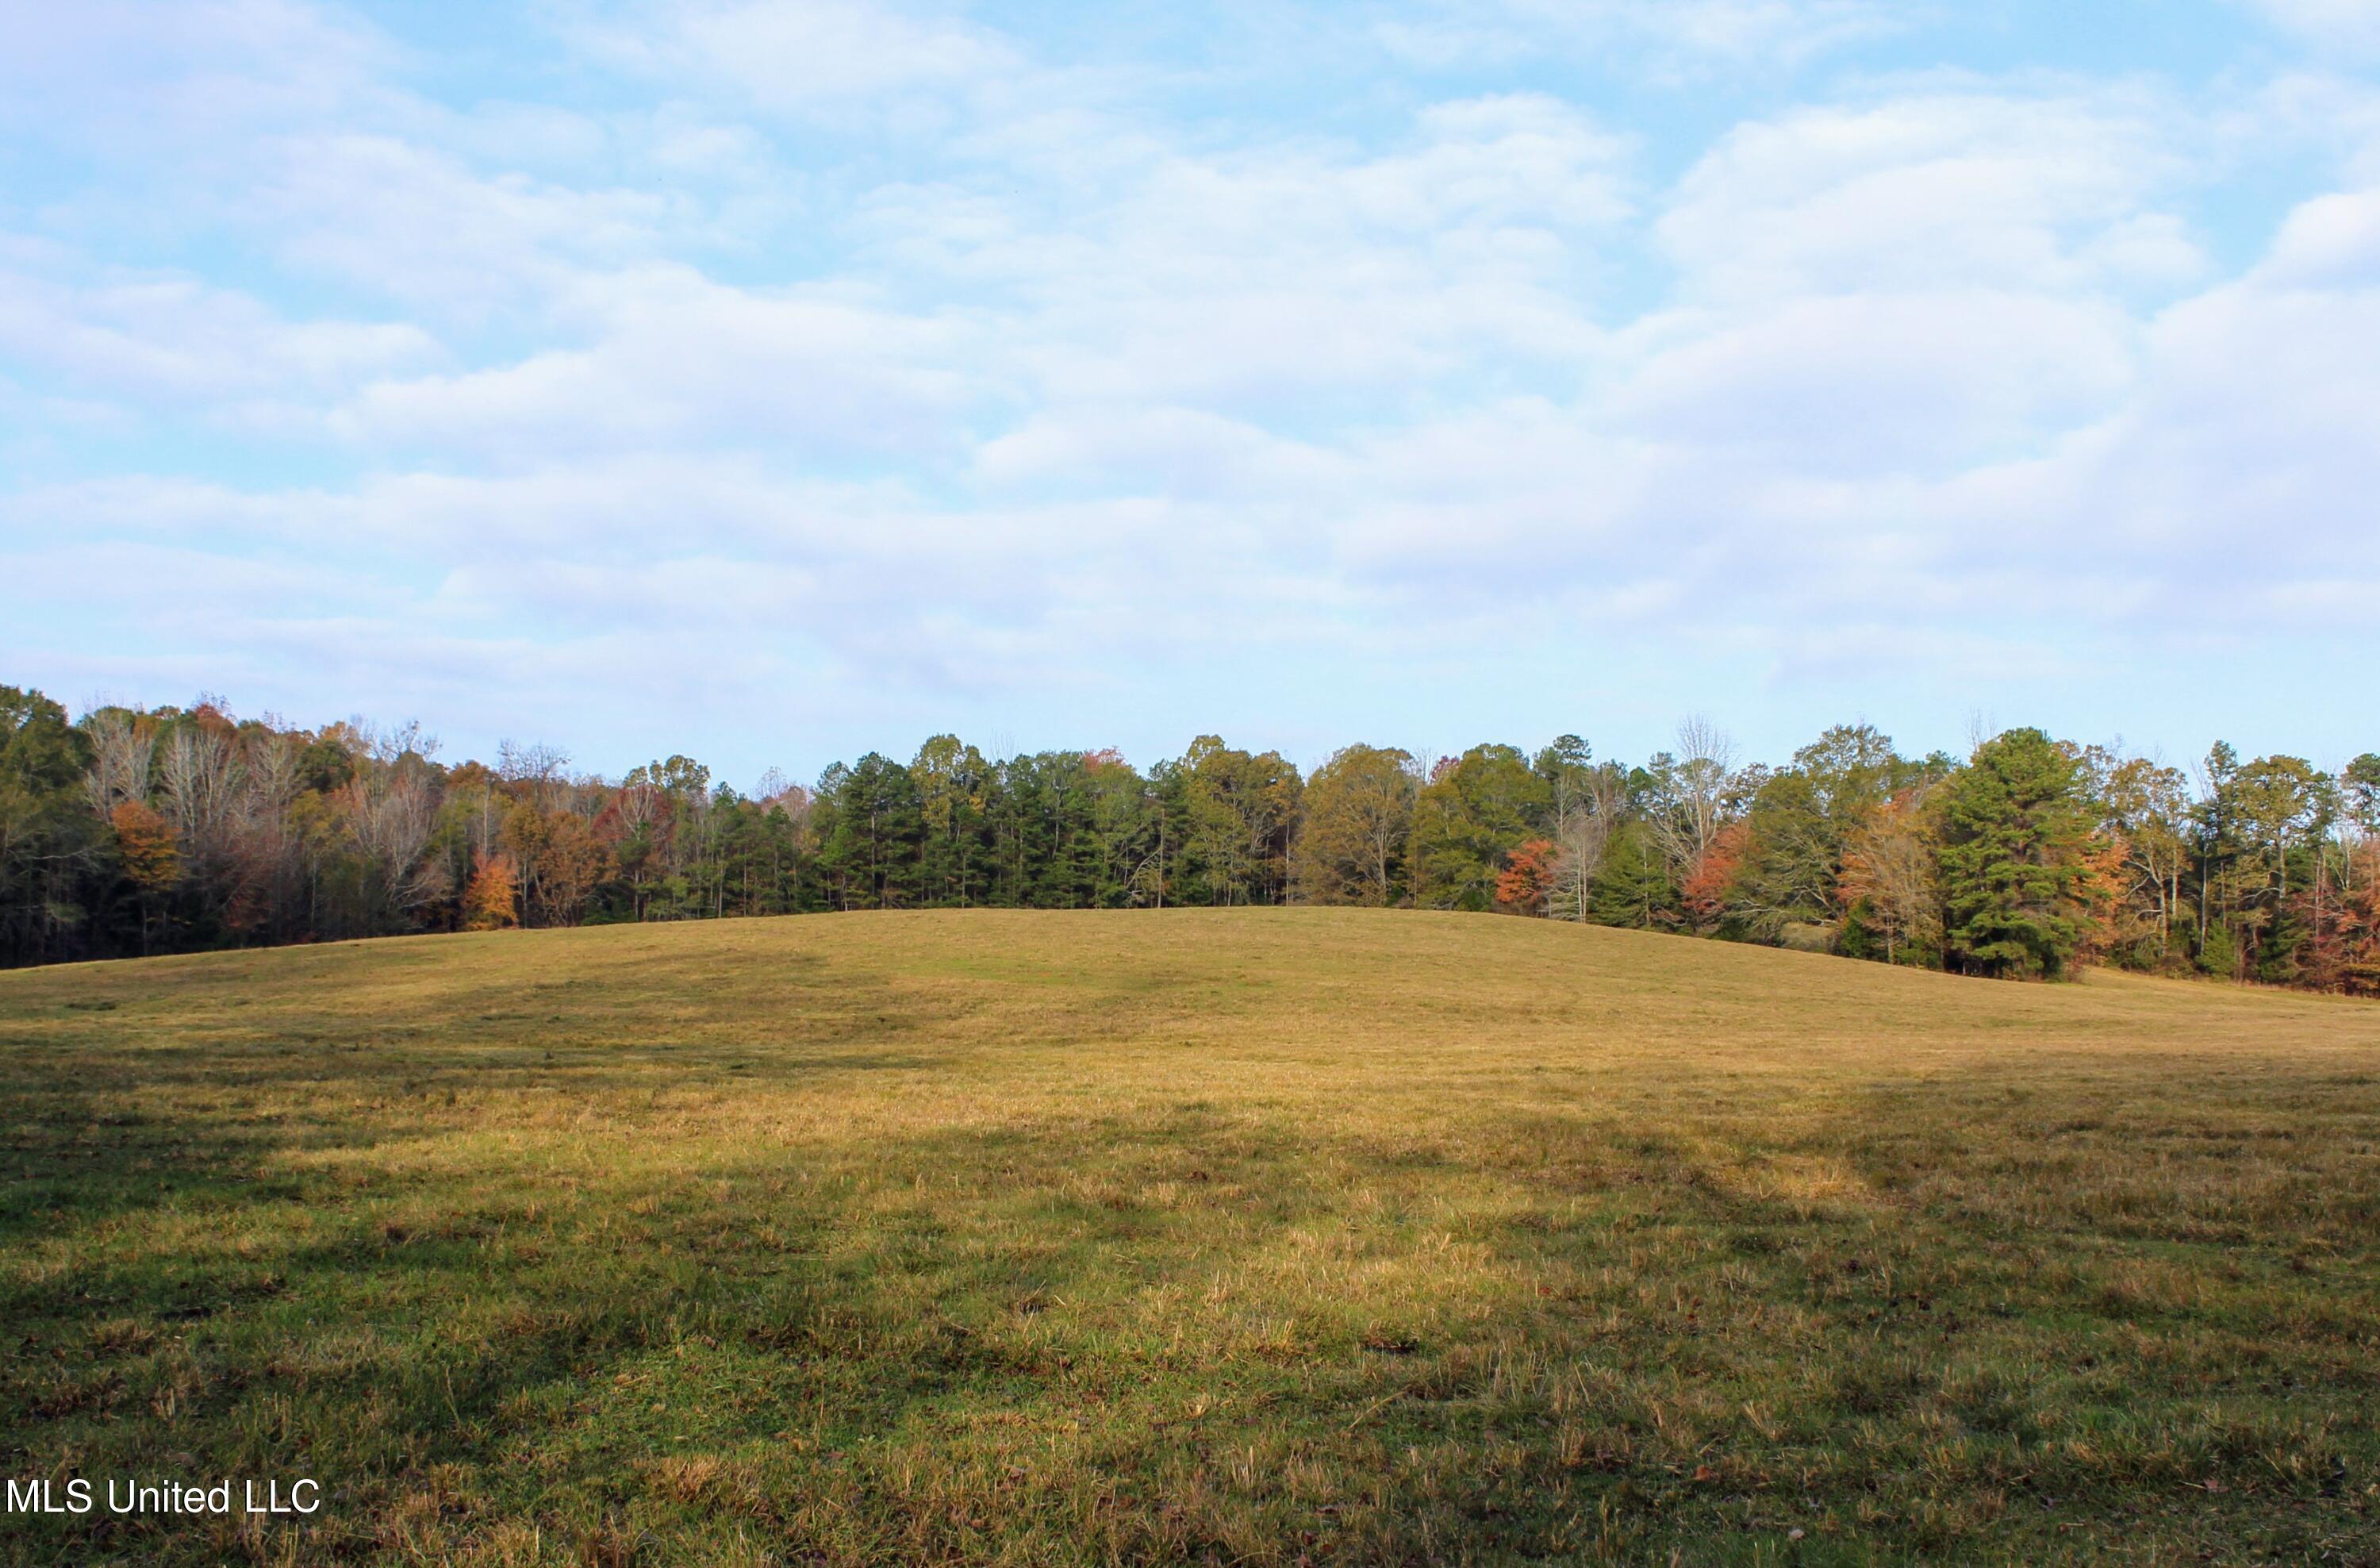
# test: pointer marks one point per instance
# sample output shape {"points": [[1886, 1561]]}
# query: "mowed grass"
{"points": [[1246, 1236]]}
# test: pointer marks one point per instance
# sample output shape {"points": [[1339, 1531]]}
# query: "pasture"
{"points": [[1249, 1236]]}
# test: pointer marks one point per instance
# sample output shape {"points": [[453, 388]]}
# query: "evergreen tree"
{"points": [[2014, 870], [1123, 829], [2360, 793], [1787, 879], [172, 829], [1633, 887], [871, 852]]}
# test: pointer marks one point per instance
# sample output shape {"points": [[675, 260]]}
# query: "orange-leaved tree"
{"points": [[491, 901], [1887, 879], [1528, 879], [152, 861], [1707, 888]]}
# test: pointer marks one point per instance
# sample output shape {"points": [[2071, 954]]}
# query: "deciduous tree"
{"points": [[1354, 824], [1470, 817], [48, 839], [1889, 881], [491, 901], [151, 862], [1527, 880]]}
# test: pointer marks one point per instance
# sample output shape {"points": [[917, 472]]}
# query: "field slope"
{"points": [[1230, 1236]]}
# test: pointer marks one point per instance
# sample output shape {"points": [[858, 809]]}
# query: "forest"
{"points": [[128, 832]]}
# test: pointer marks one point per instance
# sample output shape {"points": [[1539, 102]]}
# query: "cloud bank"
{"points": [[786, 378]]}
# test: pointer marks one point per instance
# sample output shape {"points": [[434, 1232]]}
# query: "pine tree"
{"points": [[2015, 874], [1633, 888]]}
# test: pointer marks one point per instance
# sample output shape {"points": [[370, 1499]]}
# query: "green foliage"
{"points": [[1569, 772], [244, 833], [1851, 768], [1801, 826], [1468, 819], [951, 779], [1240, 811], [49, 841], [870, 857], [2218, 955], [1792, 859], [1634, 888], [2264, 832], [2014, 871], [2279, 957], [1357, 828], [2360, 785]]}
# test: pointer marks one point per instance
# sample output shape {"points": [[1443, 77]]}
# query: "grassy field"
{"points": [[1252, 1236]]}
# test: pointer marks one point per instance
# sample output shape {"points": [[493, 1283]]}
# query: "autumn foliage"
{"points": [[1705, 890], [171, 829], [490, 899], [1527, 878], [2343, 922], [144, 842]]}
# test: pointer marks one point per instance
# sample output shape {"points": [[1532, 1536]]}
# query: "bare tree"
{"points": [[541, 770], [1583, 835], [1695, 786], [268, 867], [122, 753], [389, 746], [202, 780], [1706, 764], [391, 811]]}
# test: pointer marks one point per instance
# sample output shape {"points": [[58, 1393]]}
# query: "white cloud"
{"points": [[1971, 188], [116, 72], [1278, 273], [171, 337], [2350, 24], [418, 224], [1671, 38], [1873, 384], [2254, 447], [803, 56], [836, 360], [674, 358]]}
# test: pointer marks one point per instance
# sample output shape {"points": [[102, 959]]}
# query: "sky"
{"points": [[775, 380]]}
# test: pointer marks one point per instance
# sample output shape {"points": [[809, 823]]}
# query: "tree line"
{"points": [[133, 832]]}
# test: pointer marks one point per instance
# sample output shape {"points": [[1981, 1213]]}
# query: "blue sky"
{"points": [[779, 380]]}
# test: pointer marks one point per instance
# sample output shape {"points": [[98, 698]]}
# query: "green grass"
{"points": [[1243, 1237]]}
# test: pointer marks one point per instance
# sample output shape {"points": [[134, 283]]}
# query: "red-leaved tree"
{"points": [[1528, 879]]}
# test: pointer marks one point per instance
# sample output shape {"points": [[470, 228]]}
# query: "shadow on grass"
{"points": [[1890, 1321]]}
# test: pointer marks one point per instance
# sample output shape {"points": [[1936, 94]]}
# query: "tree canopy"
{"points": [[127, 832]]}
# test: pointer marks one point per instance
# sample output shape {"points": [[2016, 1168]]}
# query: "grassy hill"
{"points": [[1248, 1235]]}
